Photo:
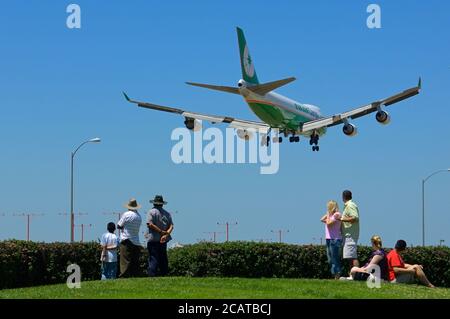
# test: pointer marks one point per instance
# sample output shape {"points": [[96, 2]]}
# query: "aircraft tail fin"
{"points": [[247, 66]]}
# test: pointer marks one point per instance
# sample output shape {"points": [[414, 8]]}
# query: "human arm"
{"points": [[156, 229], [399, 270], [349, 219], [351, 214], [121, 222], [413, 266], [151, 222], [324, 218], [375, 260], [103, 245], [167, 234], [333, 218]]}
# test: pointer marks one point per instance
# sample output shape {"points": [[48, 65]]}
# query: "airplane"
{"points": [[285, 116]]}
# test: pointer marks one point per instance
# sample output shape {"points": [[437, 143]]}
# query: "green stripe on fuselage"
{"points": [[276, 117]]}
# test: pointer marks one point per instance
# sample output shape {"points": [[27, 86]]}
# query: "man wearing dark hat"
{"points": [[160, 226], [399, 272], [130, 247]]}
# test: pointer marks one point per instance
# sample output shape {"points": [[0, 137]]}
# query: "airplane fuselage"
{"points": [[279, 111]]}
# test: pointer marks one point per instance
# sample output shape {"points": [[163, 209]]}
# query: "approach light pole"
{"points": [[72, 216], [214, 234], [227, 226], [83, 226], [423, 201], [280, 233], [28, 216]]}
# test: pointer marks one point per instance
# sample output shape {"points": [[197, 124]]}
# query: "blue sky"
{"points": [[61, 86]]}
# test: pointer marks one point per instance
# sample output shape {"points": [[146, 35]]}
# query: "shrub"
{"points": [[25, 264], [255, 260]]}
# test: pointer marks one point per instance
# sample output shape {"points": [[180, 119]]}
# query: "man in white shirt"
{"points": [[130, 247]]}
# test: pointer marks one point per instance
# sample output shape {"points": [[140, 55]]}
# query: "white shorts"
{"points": [[350, 248]]}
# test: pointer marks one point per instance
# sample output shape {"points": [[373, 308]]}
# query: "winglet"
{"points": [[126, 96], [420, 83]]}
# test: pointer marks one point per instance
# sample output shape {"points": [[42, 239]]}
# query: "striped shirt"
{"points": [[131, 223]]}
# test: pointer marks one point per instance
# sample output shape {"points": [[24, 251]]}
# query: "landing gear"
{"points": [[294, 139], [267, 140], [277, 139], [314, 140]]}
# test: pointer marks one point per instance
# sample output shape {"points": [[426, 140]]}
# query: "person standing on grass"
{"points": [[130, 246], [333, 237], [109, 243], [160, 226], [350, 229], [399, 272]]}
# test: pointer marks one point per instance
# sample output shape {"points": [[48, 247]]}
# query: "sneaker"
{"points": [[346, 278]]}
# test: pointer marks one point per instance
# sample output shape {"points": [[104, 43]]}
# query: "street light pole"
{"points": [[72, 217], [423, 200]]}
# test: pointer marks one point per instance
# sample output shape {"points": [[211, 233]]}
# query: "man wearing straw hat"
{"points": [[160, 227], [130, 247]]}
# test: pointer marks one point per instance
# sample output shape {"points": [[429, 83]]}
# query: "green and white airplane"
{"points": [[277, 112]]}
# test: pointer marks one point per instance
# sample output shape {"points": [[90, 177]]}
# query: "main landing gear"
{"points": [[275, 139], [314, 141]]}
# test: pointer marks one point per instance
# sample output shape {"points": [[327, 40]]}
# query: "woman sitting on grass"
{"points": [[378, 257]]}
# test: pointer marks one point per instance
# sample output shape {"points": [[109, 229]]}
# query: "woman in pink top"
{"points": [[332, 220]]}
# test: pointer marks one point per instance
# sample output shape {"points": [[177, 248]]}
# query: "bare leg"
{"points": [[420, 275], [353, 263], [354, 270]]}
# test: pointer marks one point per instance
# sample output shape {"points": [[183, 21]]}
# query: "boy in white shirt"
{"points": [[109, 242]]}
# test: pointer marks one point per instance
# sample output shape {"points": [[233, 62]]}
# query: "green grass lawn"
{"points": [[227, 288]]}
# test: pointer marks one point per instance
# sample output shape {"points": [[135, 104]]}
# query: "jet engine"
{"points": [[383, 117], [244, 134], [350, 129], [192, 124]]}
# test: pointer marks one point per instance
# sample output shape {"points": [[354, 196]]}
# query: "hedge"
{"points": [[255, 260], [25, 263]]}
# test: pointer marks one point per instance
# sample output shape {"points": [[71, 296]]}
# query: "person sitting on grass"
{"points": [[377, 257], [108, 258], [399, 272]]}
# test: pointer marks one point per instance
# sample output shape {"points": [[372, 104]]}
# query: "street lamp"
{"points": [[72, 219], [423, 201]]}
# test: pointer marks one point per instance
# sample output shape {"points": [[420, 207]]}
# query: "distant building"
{"points": [[175, 245]]}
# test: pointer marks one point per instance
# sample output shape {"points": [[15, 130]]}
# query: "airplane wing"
{"points": [[360, 111], [233, 122]]}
